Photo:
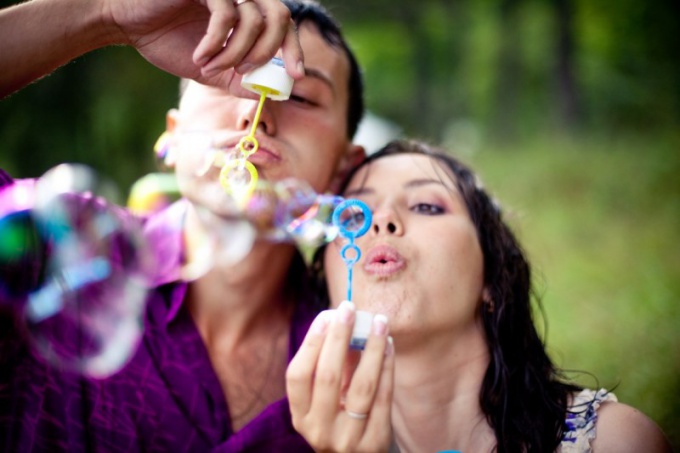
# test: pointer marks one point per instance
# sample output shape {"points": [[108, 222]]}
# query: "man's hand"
{"points": [[198, 39], [204, 39]]}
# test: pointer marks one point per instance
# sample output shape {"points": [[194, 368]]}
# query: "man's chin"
{"points": [[213, 198]]}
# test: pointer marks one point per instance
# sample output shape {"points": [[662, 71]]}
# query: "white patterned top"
{"points": [[581, 420]]}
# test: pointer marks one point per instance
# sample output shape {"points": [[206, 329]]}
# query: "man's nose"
{"points": [[248, 115]]}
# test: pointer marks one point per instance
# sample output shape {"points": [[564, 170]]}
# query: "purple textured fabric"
{"points": [[167, 398]]}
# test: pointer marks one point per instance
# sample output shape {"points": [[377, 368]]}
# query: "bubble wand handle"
{"points": [[239, 177], [256, 120], [345, 219]]}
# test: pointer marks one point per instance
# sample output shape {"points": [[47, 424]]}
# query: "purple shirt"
{"points": [[167, 398]]}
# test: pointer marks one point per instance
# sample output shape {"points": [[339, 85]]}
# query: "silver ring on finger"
{"points": [[356, 415]]}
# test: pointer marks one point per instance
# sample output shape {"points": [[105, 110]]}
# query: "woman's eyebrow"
{"points": [[359, 191], [408, 185], [423, 182]]}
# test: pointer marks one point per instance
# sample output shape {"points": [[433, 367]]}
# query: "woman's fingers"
{"points": [[378, 427], [340, 401], [300, 372], [367, 375], [329, 371]]}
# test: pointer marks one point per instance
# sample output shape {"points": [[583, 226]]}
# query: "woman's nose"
{"points": [[386, 221]]}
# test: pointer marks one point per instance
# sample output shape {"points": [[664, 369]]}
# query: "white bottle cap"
{"points": [[271, 78], [362, 329]]}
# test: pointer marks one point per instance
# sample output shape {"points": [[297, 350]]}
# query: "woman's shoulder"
{"points": [[623, 428], [597, 422]]}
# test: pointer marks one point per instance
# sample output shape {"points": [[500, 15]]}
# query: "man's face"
{"points": [[304, 137]]}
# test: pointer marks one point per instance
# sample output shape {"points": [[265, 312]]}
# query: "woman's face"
{"points": [[421, 262]]}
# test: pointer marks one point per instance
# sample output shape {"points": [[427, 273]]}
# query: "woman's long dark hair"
{"points": [[523, 395]]}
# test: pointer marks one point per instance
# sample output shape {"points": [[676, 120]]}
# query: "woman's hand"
{"points": [[340, 399]]}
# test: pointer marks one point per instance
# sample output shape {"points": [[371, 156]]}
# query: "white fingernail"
{"points": [[379, 324], [345, 312]]}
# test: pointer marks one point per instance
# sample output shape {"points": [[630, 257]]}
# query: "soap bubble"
{"points": [[219, 178], [315, 227], [219, 242], [152, 193], [21, 246], [86, 313]]}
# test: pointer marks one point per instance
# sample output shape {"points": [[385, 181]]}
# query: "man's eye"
{"points": [[300, 100], [426, 208]]}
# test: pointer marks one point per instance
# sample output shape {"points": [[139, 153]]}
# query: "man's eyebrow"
{"points": [[315, 73]]}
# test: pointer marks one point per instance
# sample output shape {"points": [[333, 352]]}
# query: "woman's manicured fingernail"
{"points": [[345, 312], [389, 350], [319, 325], [379, 325]]}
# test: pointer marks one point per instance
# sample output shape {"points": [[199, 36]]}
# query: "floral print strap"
{"points": [[581, 418]]}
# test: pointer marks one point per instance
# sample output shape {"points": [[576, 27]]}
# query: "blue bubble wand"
{"points": [[350, 228]]}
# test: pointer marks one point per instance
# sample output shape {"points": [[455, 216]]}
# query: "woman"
{"points": [[467, 369]]}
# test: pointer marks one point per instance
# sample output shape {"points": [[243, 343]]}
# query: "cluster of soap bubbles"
{"points": [[78, 268]]}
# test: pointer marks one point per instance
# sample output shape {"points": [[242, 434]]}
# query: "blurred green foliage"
{"points": [[568, 108], [598, 218]]}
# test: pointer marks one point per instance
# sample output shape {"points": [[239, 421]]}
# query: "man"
{"points": [[209, 372]]}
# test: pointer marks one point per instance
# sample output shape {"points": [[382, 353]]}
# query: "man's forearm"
{"points": [[38, 36]]}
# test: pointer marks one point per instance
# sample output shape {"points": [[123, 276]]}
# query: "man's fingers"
{"points": [[245, 34], [291, 52], [276, 17], [277, 27], [223, 18]]}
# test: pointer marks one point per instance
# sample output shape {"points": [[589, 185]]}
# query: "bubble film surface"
{"points": [[84, 310]]}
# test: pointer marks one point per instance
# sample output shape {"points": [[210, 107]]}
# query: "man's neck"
{"points": [[232, 298], [230, 302]]}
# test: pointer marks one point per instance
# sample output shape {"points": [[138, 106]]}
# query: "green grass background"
{"points": [[599, 218]]}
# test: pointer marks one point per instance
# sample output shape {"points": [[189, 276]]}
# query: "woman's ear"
{"points": [[487, 300], [354, 155]]}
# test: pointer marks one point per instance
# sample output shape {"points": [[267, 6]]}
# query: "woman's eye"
{"points": [[427, 208]]}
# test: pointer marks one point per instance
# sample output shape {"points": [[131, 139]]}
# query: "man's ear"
{"points": [[162, 147], [354, 155], [171, 120]]}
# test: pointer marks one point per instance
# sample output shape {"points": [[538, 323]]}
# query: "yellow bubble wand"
{"points": [[239, 177], [233, 168]]}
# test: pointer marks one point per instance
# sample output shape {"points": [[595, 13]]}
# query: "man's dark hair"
{"points": [[329, 29], [309, 10]]}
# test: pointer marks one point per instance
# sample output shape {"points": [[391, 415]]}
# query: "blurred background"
{"points": [[569, 109]]}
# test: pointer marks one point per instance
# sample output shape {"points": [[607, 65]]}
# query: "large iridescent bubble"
{"points": [[84, 306]]}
